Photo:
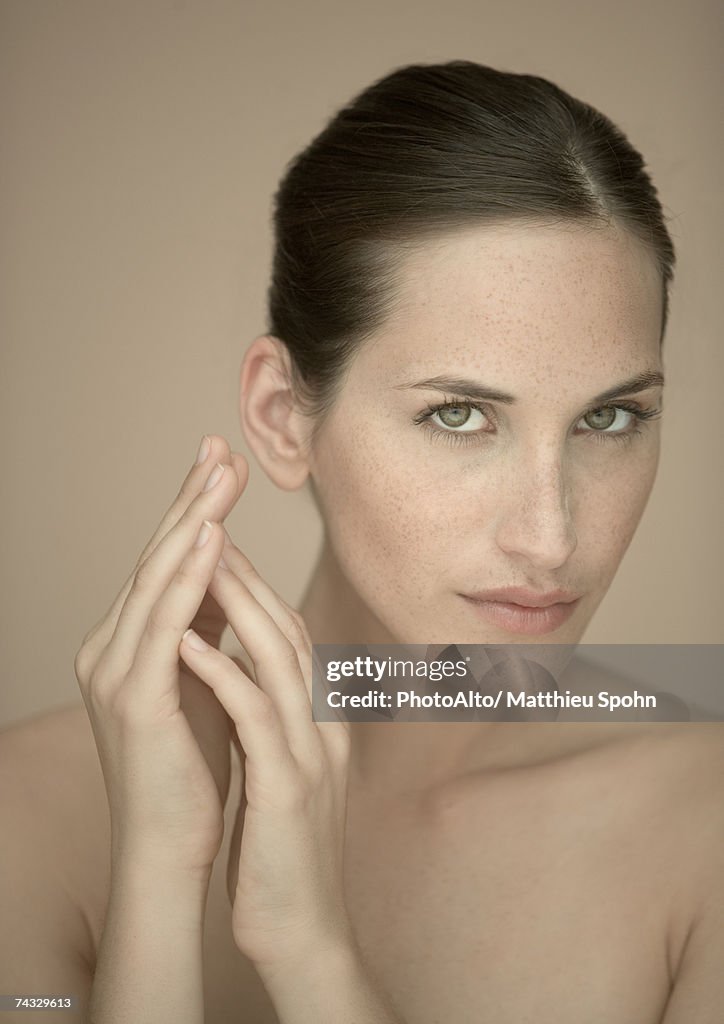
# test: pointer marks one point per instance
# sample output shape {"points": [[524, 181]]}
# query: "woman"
{"points": [[464, 358]]}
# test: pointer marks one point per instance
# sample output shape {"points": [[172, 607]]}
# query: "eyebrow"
{"points": [[463, 387]]}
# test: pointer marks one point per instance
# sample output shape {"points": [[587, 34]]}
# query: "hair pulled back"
{"points": [[424, 150]]}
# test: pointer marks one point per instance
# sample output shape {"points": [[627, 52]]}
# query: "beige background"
{"points": [[141, 145]]}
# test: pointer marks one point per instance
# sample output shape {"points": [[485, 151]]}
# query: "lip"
{"points": [[528, 619], [524, 597]]}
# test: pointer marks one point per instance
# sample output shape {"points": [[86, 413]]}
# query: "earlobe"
{"points": [[273, 426]]}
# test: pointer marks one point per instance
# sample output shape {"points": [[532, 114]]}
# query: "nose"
{"points": [[535, 521]]}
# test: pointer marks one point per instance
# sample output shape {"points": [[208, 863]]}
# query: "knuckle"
{"points": [[98, 697], [245, 570], [297, 629], [297, 618], [96, 700], [263, 711], [100, 676], [289, 654], [143, 578], [284, 657], [146, 553], [160, 620], [187, 575], [83, 663]]}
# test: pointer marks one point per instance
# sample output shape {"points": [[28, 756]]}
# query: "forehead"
{"points": [[533, 294]]}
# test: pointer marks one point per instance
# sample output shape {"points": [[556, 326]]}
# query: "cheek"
{"points": [[610, 507], [386, 521]]}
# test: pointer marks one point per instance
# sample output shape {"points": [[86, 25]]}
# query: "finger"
{"points": [[282, 669], [152, 679], [287, 618], [155, 574], [232, 727], [292, 625], [269, 761], [289, 621], [217, 450], [212, 449], [192, 486]]}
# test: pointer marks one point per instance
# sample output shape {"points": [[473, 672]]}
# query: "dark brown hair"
{"points": [[421, 151]]}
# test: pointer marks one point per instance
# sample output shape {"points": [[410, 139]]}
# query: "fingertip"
{"points": [[241, 467], [194, 641], [220, 446]]}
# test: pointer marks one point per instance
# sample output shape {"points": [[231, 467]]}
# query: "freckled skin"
{"points": [[553, 315]]}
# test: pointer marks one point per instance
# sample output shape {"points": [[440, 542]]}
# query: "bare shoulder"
{"points": [[690, 761], [673, 765], [687, 769], [675, 769], [684, 761], [57, 831], [49, 766], [49, 732], [670, 785]]}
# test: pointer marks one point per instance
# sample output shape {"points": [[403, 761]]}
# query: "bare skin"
{"points": [[555, 889], [496, 872]]}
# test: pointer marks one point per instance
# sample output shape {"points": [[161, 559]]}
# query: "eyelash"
{"points": [[458, 437]]}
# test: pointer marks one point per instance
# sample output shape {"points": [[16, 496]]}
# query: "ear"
{"points": [[274, 427]]}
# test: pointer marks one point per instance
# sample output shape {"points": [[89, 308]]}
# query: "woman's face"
{"points": [[543, 490]]}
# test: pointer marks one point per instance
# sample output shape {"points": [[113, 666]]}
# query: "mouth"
{"points": [[519, 618]]}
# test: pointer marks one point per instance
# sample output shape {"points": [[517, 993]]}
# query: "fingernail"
{"points": [[203, 534], [194, 640], [216, 473], [203, 450], [222, 563]]}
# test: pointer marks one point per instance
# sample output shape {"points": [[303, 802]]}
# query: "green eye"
{"points": [[607, 414], [455, 415], [600, 420]]}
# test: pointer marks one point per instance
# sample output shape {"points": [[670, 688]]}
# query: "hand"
{"points": [[287, 896], [162, 737]]}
